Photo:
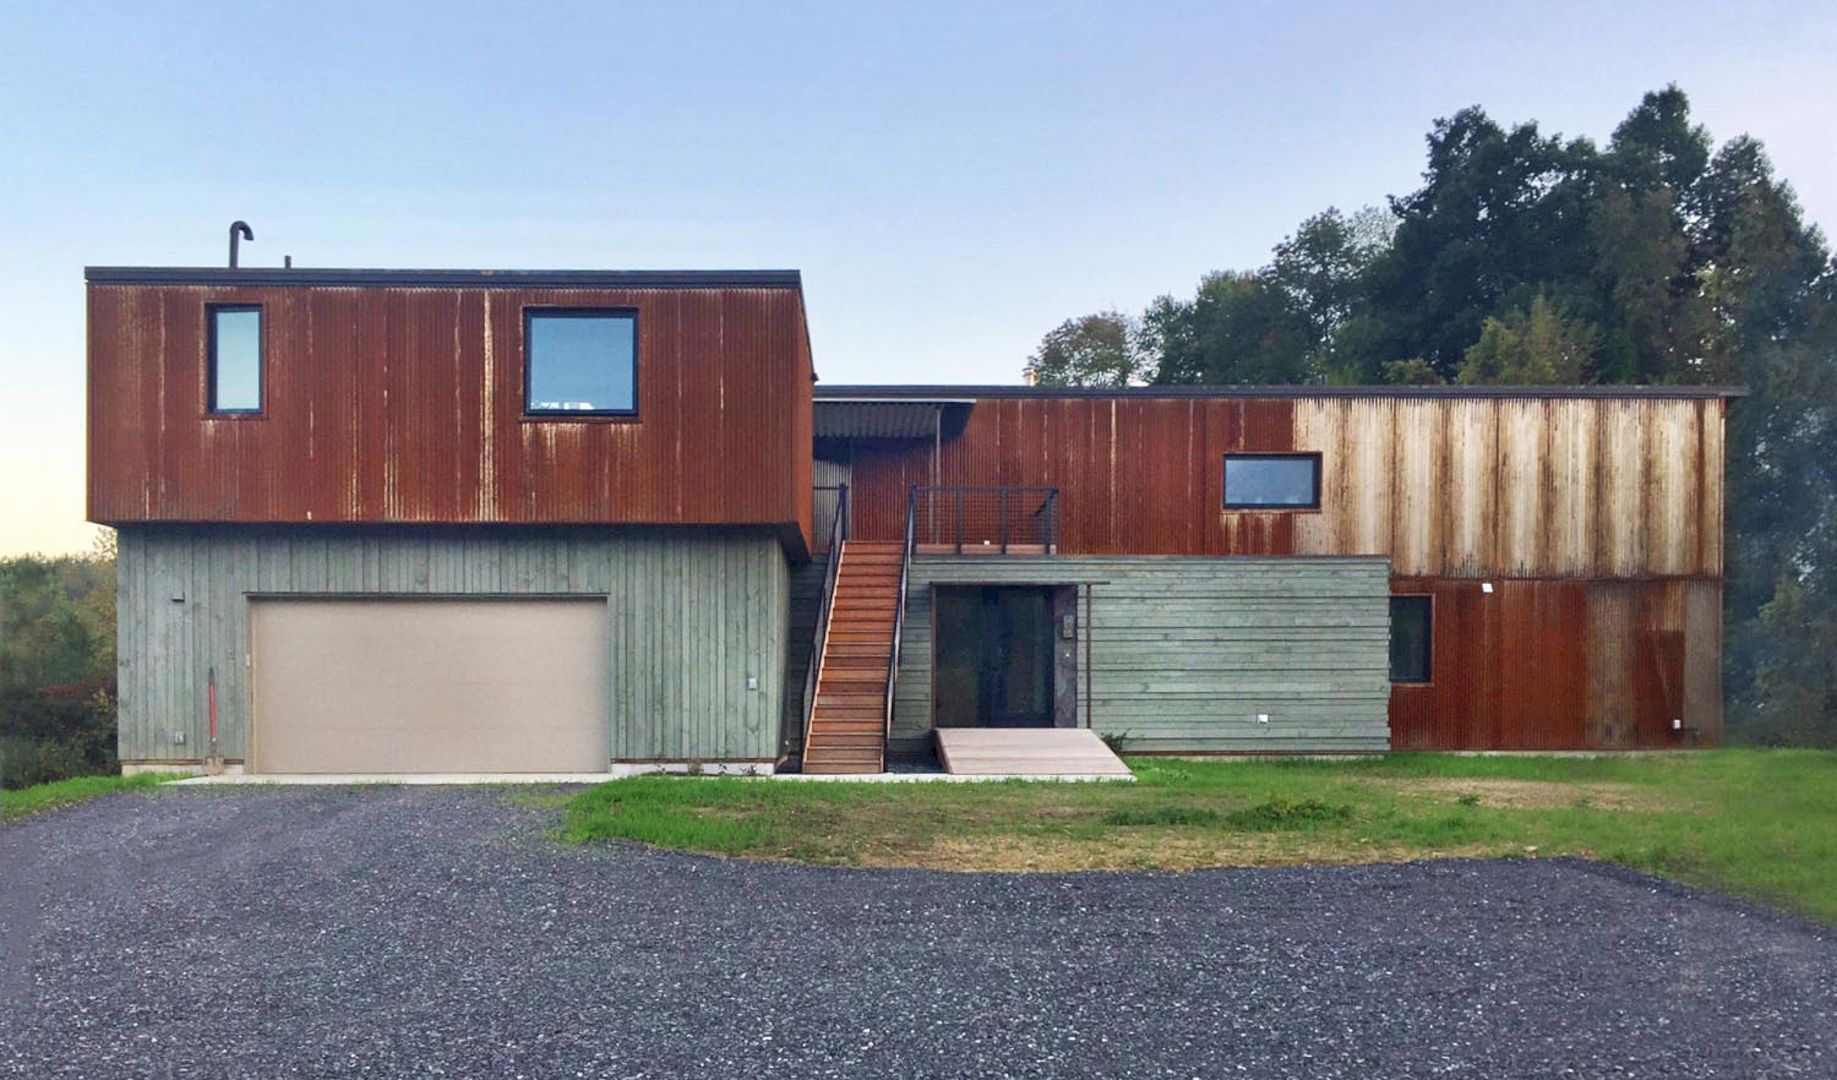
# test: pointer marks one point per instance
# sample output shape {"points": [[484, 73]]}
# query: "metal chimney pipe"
{"points": [[238, 228]]}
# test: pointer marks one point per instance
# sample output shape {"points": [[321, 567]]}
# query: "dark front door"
{"points": [[994, 656]]}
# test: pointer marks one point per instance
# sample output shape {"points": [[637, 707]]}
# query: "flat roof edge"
{"points": [[509, 279], [842, 392]]}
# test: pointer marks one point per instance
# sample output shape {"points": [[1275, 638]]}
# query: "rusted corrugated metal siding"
{"points": [[1463, 487], [1555, 487], [406, 404], [1136, 476], [1565, 665], [1597, 520]]}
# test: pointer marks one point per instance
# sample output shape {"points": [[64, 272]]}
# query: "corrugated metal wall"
{"points": [[1468, 487], [1598, 521], [406, 405], [694, 613], [1566, 665], [1572, 488], [1138, 476], [1184, 653]]}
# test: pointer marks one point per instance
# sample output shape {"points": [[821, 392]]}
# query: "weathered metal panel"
{"points": [[1185, 653], [1583, 487], [1549, 487], [693, 615], [405, 404], [1137, 475], [1564, 665]]}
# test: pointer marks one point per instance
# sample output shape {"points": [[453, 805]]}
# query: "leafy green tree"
{"points": [[1239, 328], [1096, 350], [1501, 214], [1535, 347], [1528, 258], [57, 666]]}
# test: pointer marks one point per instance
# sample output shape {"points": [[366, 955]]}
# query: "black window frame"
{"points": [[1428, 675], [211, 408], [1224, 477], [534, 311]]}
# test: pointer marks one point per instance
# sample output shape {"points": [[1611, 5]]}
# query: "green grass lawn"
{"points": [[1761, 824], [41, 797]]}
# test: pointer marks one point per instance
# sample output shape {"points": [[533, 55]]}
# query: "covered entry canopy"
{"points": [[840, 417], [429, 685]]}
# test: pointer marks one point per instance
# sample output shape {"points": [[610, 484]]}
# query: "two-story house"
{"points": [[384, 521]]}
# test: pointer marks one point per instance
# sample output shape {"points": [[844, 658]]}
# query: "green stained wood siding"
{"points": [[1185, 652], [694, 613]]}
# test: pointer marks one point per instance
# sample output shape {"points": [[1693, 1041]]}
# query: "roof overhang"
{"points": [[891, 418]]}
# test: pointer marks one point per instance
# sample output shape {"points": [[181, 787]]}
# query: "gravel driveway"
{"points": [[436, 932]]}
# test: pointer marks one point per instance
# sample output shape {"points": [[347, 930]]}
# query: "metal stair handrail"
{"points": [[899, 613], [838, 533]]}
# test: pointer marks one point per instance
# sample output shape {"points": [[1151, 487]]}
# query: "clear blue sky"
{"points": [[952, 180]]}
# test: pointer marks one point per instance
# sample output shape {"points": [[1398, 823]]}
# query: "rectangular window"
{"points": [[235, 358], [1272, 481], [1412, 638], [580, 362]]}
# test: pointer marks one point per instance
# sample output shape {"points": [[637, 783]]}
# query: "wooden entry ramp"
{"points": [[1044, 753]]}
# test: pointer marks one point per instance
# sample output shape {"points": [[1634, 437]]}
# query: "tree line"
{"points": [[57, 666], [1526, 258]]}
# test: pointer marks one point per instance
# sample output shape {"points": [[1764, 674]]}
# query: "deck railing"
{"points": [[997, 520], [838, 532]]}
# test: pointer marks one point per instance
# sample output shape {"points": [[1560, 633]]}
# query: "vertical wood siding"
{"points": [[1185, 652], [406, 405], [693, 614]]}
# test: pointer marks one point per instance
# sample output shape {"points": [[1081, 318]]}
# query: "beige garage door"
{"points": [[429, 686]]}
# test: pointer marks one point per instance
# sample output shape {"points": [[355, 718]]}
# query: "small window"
{"points": [[581, 362], [1272, 481], [235, 359], [1412, 638]]}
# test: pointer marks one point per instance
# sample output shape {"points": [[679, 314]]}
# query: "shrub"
{"points": [[46, 737]]}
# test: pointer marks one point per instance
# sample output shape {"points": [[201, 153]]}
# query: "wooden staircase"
{"points": [[848, 729]]}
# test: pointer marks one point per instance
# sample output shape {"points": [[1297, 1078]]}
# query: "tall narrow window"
{"points": [[235, 358], [580, 362], [1272, 481], [1412, 638]]}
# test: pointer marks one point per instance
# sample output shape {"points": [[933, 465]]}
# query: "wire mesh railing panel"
{"points": [[995, 520]]}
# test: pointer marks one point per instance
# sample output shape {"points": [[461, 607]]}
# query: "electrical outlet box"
{"points": [[1262, 718], [1677, 724], [178, 737], [752, 682]]}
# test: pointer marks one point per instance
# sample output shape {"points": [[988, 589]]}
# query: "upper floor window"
{"points": [[235, 358], [580, 362], [1412, 638], [1272, 481]]}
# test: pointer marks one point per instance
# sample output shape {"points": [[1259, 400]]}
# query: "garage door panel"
{"points": [[367, 686]]}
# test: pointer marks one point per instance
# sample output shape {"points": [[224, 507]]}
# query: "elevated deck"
{"points": [[1041, 753]]}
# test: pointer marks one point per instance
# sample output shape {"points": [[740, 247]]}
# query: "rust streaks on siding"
{"points": [[1565, 665], [405, 404], [1136, 476], [1576, 487], [1482, 487]]}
